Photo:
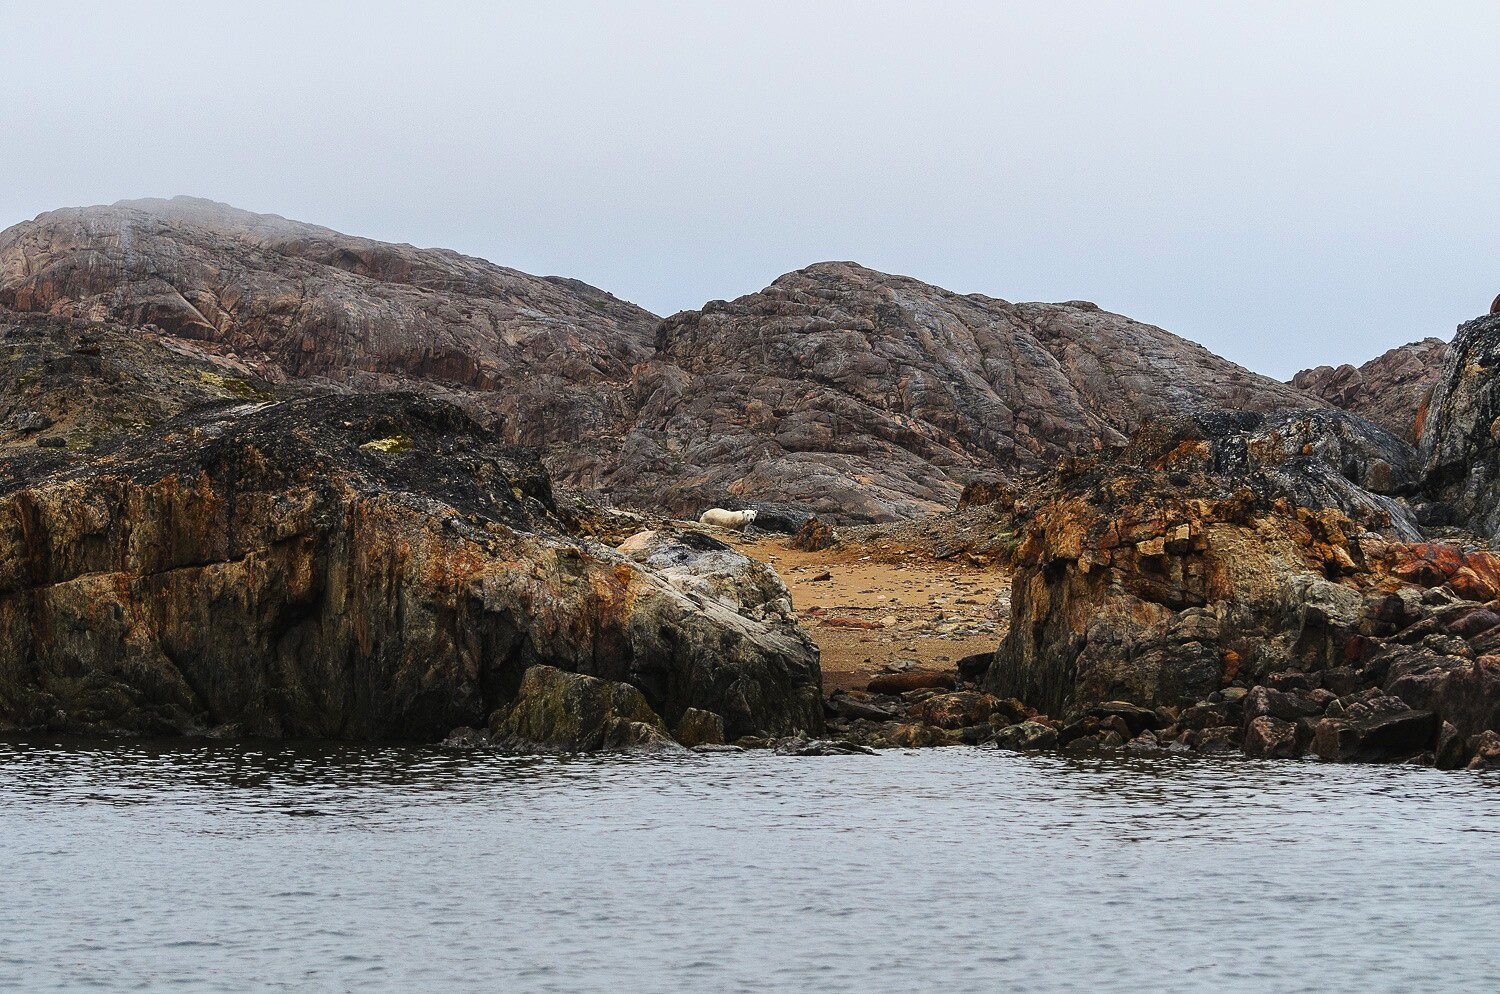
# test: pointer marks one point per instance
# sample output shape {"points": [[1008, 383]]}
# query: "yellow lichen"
{"points": [[395, 443]]}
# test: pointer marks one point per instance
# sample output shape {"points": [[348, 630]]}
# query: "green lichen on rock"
{"points": [[235, 386], [571, 712], [391, 444]]}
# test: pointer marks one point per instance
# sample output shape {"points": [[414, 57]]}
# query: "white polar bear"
{"points": [[726, 519]]}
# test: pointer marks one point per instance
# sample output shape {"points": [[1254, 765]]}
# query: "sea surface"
{"points": [[136, 866]]}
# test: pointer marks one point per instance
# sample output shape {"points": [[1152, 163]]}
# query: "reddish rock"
{"points": [[1268, 738], [1390, 390], [900, 683]]}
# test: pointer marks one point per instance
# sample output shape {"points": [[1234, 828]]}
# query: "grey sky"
{"points": [[1287, 183]]}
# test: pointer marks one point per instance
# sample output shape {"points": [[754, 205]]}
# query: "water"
{"points": [[214, 867]]}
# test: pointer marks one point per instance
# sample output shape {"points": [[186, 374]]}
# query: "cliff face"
{"points": [[1459, 448], [296, 301], [864, 396], [367, 567], [1392, 390]]}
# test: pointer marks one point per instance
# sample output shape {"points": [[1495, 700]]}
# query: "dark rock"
{"points": [[1085, 743], [1263, 701], [814, 536], [467, 738], [1289, 681], [1485, 750], [843, 705], [697, 728], [917, 735], [819, 747], [973, 668], [1221, 740], [1451, 752], [1205, 715], [1381, 737], [1087, 725], [1470, 623], [1136, 719], [957, 710], [1341, 680]]}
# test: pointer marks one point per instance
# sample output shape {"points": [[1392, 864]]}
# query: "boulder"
{"points": [[900, 683], [1267, 738], [1026, 735], [570, 712], [1378, 738], [700, 728]]}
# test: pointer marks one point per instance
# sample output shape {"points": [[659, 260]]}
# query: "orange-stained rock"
{"points": [[263, 570]]}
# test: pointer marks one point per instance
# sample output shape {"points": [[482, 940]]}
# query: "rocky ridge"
{"points": [[547, 358], [837, 390], [1391, 390]]}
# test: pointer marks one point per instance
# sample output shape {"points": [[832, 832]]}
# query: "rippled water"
{"points": [[133, 866]]}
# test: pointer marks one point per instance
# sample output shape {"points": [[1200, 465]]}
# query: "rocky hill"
{"points": [[1391, 390], [838, 390], [865, 396], [548, 357]]}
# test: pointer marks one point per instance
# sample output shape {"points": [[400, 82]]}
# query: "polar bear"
{"points": [[726, 519]]}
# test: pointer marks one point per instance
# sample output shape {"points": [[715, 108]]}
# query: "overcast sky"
{"points": [[1287, 183]]}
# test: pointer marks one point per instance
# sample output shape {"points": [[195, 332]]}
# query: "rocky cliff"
{"points": [[1459, 448], [548, 357], [371, 567], [1391, 390]]}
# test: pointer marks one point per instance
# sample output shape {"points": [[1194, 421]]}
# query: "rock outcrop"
{"points": [[366, 567], [1206, 551], [1392, 390], [549, 357], [1459, 446], [863, 396]]}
